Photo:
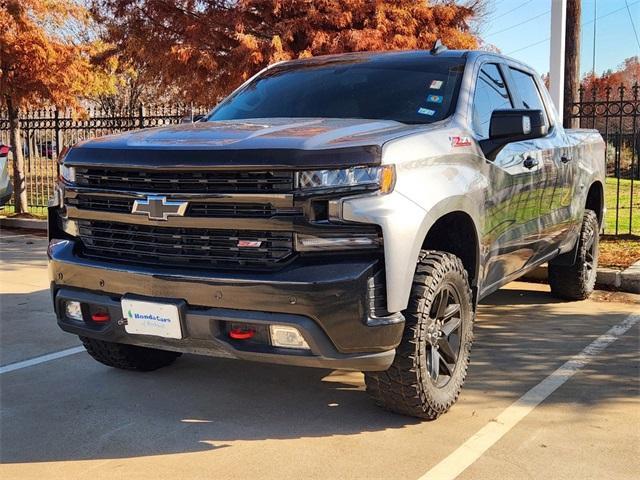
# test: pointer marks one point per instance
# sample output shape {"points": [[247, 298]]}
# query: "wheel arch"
{"points": [[595, 200], [456, 233]]}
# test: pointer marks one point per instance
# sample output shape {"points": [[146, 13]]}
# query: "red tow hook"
{"points": [[100, 317], [242, 333]]}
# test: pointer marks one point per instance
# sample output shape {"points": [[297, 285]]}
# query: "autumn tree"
{"points": [[627, 74], [42, 61], [133, 85], [205, 48]]}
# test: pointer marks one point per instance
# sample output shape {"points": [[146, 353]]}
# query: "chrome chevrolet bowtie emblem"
{"points": [[157, 207]]}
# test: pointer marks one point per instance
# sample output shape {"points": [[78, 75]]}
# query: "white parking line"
{"points": [[474, 447], [20, 235], [42, 359]]}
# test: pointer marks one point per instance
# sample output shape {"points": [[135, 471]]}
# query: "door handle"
{"points": [[530, 162], [564, 159]]}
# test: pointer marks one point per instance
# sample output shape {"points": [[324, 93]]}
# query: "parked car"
{"points": [[345, 212], [6, 189]]}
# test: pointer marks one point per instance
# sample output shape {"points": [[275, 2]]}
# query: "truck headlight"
{"points": [[68, 174], [70, 227], [382, 178]]}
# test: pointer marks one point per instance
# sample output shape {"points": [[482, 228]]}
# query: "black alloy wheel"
{"points": [[443, 335]]}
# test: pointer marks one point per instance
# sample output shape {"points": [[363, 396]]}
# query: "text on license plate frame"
{"points": [[146, 317]]}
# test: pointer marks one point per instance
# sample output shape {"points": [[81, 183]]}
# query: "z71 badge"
{"points": [[460, 141]]}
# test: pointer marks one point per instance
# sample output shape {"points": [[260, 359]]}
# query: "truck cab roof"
{"points": [[399, 56]]}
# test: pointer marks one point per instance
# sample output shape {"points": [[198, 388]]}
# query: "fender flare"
{"points": [[404, 225]]}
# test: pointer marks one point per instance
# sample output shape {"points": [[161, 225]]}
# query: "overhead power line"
{"points": [[499, 2], [633, 25], [529, 46], [586, 23], [512, 10], [490, 34], [611, 13]]}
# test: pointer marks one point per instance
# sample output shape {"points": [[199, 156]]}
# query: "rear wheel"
{"points": [[431, 361], [128, 357], [577, 281]]}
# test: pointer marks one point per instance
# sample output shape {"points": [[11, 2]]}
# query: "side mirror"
{"points": [[512, 126]]}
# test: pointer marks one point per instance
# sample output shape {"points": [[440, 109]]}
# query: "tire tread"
{"points": [[569, 282], [401, 388], [128, 357]]}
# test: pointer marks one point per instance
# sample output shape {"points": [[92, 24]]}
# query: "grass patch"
{"points": [[32, 212], [625, 204], [619, 252]]}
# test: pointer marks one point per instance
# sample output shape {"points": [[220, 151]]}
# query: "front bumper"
{"points": [[328, 302]]}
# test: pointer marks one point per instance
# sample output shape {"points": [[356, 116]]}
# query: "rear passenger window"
{"points": [[528, 90], [491, 94]]}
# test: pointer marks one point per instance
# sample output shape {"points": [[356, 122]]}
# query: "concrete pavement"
{"points": [[211, 418]]}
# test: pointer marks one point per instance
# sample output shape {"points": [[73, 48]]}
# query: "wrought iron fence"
{"points": [[615, 112], [45, 132]]}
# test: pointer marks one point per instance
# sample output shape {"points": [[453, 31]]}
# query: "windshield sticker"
{"points": [[436, 85], [426, 111], [434, 98]]}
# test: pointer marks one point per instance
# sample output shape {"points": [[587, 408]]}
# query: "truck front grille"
{"points": [[183, 181], [101, 203], [183, 247]]}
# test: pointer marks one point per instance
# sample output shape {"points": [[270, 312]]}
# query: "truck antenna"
{"points": [[438, 47]]}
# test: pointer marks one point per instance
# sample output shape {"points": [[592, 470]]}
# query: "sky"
{"points": [[521, 29]]}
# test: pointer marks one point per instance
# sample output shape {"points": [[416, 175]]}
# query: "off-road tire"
{"points": [[128, 357], [407, 387], [577, 281]]}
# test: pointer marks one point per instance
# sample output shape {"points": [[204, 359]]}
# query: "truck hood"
{"points": [[277, 142]]}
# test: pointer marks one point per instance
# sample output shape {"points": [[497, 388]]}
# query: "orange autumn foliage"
{"points": [[205, 49], [40, 61], [627, 75]]}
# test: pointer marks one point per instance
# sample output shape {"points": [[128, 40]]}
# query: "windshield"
{"points": [[417, 89]]}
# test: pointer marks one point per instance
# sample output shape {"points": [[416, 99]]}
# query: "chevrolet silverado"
{"points": [[343, 212]]}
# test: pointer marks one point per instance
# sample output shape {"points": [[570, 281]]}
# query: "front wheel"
{"points": [[431, 361], [577, 281]]}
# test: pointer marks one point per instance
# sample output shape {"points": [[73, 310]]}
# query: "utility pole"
{"points": [[572, 61], [556, 63]]}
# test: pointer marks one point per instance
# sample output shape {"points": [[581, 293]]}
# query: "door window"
{"points": [[528, 90], [491, 94]]}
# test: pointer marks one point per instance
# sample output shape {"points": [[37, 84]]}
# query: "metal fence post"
{"points": [[58, 132], [141, 116]]}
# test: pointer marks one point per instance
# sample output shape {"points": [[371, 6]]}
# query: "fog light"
{"points": [[287, 337], [73, 310]]}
